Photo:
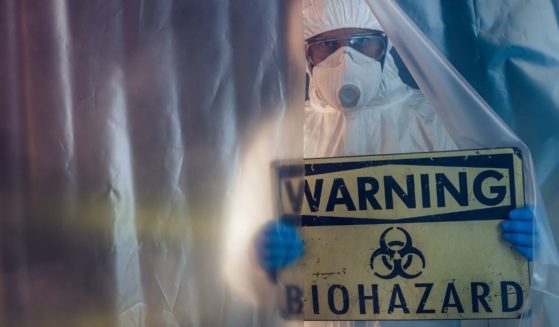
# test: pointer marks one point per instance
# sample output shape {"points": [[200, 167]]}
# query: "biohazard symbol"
{"points": [[397, 256]]}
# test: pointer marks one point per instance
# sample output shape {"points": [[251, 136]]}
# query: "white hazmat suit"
{"points": [[390, 117]]}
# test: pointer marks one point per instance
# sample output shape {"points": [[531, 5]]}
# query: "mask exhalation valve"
{"points": [[349, 95]]}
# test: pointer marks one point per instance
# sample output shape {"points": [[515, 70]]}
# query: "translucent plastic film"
{"points": [[472, 124], [510, 63], [123, 126]]}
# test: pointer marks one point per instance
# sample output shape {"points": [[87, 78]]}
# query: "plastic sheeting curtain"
{"points": [[121, 128], [123, 125], [473, 124], [509, 52]]}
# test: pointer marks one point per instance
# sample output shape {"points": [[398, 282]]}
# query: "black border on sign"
{"points": [[506, 161], [287, 171]]}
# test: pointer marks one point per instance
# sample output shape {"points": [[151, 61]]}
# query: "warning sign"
{"points": [[405, 237]]}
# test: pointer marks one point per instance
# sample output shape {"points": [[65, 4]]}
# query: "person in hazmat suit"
{"points": [[358, 105]]}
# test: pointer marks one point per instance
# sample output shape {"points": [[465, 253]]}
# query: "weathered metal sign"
{"points": [[412, 236]]}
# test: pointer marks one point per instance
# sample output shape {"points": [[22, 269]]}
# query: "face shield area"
{"points": [[348, 79], [371, 43], [346, 65]]}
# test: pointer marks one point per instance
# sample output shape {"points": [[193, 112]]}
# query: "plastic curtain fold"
{"points": [[123, 130], [473, 125], [122, 125], [508, 51]]}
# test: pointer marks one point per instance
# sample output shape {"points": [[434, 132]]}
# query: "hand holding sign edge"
{"points": [[278, 246], [519, 231]]}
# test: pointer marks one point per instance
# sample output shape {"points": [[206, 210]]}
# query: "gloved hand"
{"points": [[518, 230], [278, 245]]}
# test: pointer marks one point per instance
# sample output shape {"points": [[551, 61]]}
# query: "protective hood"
{"points": [[320, 16]]}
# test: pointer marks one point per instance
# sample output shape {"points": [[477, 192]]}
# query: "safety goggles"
{"points": [[371, 44]]}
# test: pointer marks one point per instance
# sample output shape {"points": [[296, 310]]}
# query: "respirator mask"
{"points": [[347, 71]]}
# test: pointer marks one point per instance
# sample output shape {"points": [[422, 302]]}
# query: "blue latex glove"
{"points": [[278, 246], [518, 230]]}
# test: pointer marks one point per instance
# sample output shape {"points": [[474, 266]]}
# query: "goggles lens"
{"points": [[371, 45]]}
